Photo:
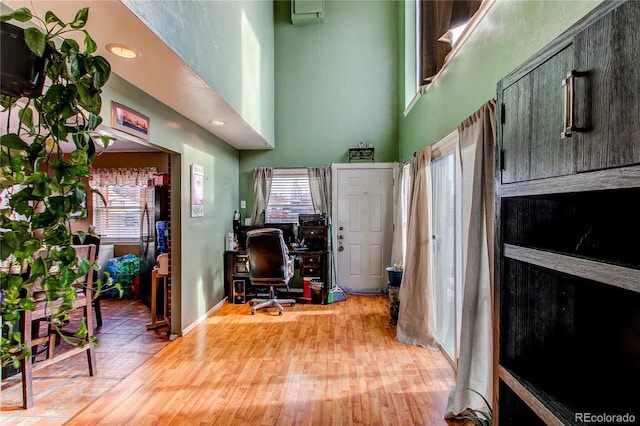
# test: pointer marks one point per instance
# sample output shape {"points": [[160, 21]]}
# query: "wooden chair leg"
{"points": [[51, 345], [96, 307], [26, 363], [88, 315]]}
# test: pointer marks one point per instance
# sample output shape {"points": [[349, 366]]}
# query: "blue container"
{"points": [[162, 232], [395, 277]]}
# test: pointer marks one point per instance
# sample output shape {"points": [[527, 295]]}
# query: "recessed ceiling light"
{"points": [[218, 122], [122, 51]]}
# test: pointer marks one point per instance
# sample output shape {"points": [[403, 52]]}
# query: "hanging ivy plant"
{"points": [[42, 186]]}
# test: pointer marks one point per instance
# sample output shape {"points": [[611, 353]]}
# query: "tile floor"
{"points": [[63, 389]]}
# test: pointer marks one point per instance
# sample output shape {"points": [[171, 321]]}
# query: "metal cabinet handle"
{"points": [[568, 107]]}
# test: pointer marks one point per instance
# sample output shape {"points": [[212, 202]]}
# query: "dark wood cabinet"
{"points": [[310, 264], [607, 96], [567, 279], [574, 107], [531, 123]]}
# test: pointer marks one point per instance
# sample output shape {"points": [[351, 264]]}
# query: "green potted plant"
{"points": [[42, 186]]}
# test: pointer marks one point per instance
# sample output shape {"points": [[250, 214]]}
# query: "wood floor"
{"points": [[332, 364]]}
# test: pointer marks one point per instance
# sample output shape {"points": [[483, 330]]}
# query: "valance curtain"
{"points": [[477, 153], [320, 187], [416, 317], [437, 17], [262, 178], [122, 177]]}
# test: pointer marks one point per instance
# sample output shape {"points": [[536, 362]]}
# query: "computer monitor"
{"points": [[288, 232]]}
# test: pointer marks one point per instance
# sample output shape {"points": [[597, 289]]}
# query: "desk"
{"points": [[155, 276], [312, 263]]}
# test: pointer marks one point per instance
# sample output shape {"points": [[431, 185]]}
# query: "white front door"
{"points": [[363, 225]]}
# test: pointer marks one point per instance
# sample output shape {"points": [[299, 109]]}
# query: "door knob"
{"points": [[341, 228], [341, 237]]}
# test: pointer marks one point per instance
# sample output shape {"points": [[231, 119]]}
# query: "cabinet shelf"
{"points": [[548, 408], [601, 180], [606, 273]]}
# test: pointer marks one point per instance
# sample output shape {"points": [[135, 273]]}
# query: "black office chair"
{"points": [[269, 266]]}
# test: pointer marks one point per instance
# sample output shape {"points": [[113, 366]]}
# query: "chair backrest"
{"points": [[88, 252], [88, 239], [85, 251], [268, 256]]}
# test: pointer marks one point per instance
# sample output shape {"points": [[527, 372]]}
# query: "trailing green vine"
{"points": [[43, 186]]}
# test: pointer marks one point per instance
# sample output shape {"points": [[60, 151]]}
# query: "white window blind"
{"points": [[119, 220], [290, 196]]}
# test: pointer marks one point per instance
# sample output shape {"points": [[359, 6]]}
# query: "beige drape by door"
{"points": [[397, 249], [262, 178], [416, 317], [320, 187], [477, 153]]}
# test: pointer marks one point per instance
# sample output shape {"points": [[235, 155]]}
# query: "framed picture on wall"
{"points": [[129, 121], [197, 190]]}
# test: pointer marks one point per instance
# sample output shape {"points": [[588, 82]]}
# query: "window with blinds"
{"points": [[290, 196], [119, 220]]}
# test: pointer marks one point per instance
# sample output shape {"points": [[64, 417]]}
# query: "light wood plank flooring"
{"points": [[315, 365]]}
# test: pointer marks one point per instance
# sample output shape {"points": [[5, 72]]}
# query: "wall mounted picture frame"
{"points": [[129, 121], [197, 190]]}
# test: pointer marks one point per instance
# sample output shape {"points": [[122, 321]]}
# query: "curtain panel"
{"points": [[320, 187], [477, 153], [436, 18], [122, 177], [397, 248], [262, 178], [416, 317]]}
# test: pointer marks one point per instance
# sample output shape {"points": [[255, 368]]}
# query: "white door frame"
{"points": [[334, 205]]}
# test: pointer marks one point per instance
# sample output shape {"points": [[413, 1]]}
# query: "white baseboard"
{"points": [[204, 317]]}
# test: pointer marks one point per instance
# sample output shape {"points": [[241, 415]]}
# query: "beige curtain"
{"points": [[320, 187], [262, 178], [416, 317], [397, 249], [477, 153], [436, 18]]}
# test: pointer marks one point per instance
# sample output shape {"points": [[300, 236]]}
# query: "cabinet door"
{"points": [[533, 106], [607, 98]]}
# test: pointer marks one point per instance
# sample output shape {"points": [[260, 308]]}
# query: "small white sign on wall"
{"points": [[197, 190]]}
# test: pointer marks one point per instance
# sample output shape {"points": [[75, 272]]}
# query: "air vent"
{"points": [[305, 12]]}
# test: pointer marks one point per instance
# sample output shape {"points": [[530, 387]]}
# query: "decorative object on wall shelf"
{"points": [[197, 190], [362, 153], [129, 121]]}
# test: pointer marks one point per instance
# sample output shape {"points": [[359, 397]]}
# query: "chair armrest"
{"points": [[290, 266]]}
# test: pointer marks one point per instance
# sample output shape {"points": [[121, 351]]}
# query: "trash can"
{"points": [[316, 292]]}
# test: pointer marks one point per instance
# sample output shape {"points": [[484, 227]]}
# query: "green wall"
{"points": [[509, 34], [335, 86], [229, 44], [200, 276]]}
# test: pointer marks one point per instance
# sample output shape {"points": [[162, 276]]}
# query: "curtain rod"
{"points": [[290, 168]]}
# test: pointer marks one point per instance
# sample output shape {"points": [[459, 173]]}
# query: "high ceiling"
{"points": [[157, 71]]}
